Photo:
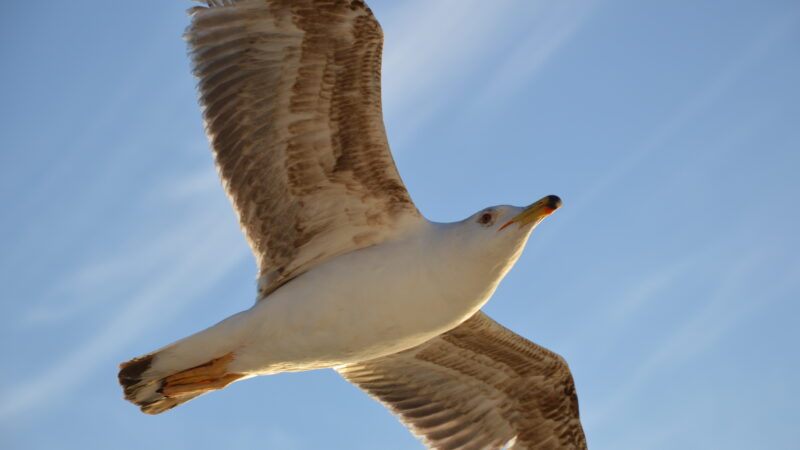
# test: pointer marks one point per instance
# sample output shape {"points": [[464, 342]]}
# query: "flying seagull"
{"points": [[351, 275]]}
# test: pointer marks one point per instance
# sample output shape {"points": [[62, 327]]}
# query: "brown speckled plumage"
{"points": [[290, 91], [477, 386]]}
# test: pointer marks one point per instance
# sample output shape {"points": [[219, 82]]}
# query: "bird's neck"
{"points": [[468, 268]]}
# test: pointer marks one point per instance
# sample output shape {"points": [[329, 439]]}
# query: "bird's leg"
{"points": [[205, 377]]}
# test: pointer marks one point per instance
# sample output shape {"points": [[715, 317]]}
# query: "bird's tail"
{"points": [[156, 391], [185, 369]]}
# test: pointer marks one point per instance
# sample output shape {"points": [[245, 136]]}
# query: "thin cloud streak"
{"points": [[200, 182], [636, 299], [208, 250], [96, 282], [554, 26], [700, 331], [749, 56], [430, 52], [430, 58]]}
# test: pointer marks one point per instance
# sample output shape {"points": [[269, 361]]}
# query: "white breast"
{"points": [[365, 304]]}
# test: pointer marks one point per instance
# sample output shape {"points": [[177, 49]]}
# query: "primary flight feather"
{"points": [[351, 275]]}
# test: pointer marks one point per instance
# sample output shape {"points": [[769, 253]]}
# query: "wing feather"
{"points": [[477, 386], [290, 91]]}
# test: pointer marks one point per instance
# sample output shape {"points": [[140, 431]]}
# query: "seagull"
{"points": [[351, 275]]}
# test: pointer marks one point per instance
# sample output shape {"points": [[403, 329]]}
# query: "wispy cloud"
{"points": [[185, 260], [200, 182], [702, 329], [430, 56], [639, 295], [659, 435], [553, 25], [711, 93], [429, 46]]}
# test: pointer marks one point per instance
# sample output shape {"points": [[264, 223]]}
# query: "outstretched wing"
{"points": [[477, 386], [291, 97]]}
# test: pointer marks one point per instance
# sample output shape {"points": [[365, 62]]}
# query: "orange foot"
{"points": [[205, 377]]}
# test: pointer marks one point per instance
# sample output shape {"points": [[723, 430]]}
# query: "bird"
{"points": [[351, 276]]}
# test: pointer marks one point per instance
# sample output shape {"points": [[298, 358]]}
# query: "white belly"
{"points": [[359, 306]]}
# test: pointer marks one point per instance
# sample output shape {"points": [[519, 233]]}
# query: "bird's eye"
{"points": [[485, 218]]}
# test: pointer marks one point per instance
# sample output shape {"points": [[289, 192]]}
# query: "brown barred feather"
{"points": [[291, 96], [477, 386]]}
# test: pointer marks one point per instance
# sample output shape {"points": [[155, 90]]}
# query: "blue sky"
{"points": [[670, 280]]}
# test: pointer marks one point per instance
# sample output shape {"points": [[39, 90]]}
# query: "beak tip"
{"points": [[553, 201], [536, 211]]}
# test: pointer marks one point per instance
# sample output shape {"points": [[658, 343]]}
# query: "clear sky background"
{"points": [[670, 279]]}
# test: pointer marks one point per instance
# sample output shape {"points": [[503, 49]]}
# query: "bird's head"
{"points": [[499, 233], [521, 219]]}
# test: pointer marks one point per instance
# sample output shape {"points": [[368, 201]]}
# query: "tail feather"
{"points": [[146, 392], [185, 369], [156, 391]]}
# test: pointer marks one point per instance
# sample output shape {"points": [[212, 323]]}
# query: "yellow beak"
{"points": [[536, 211]]}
